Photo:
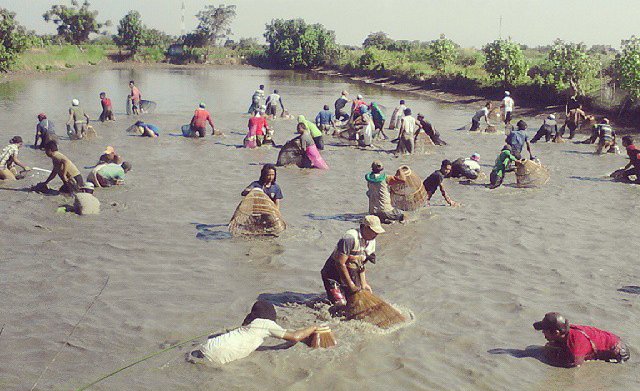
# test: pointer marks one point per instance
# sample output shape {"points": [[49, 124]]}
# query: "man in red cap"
{"points": [[573, 344]]}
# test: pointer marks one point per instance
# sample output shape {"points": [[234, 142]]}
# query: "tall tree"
{"points": [[295, 44], [504, 61], [627, 65], [131, 32], [215, 22], [13, 38], [75, 23], [443, 52], [379, 40], [570, 63]]}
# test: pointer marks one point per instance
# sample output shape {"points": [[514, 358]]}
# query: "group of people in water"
{"points": [[344, 271]]}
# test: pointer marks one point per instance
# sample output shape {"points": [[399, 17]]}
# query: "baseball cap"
{"points": [[552, 321], [109, 150], [373, 222]]}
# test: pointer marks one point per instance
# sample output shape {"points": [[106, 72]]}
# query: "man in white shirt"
{"points": [[406, 137], [483, 112], [507, 104], [272, 104], [241, 342]]}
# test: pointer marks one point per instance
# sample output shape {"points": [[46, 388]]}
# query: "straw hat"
{"points": [[373, 222]]}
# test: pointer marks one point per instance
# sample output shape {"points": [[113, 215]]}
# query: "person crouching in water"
{"points": [[466, 168], [344, 272], [45, 131], [199, 121], [505, 158], [259, 324], [378, 192], [64, 168], [548, 129], [311, 155], [633, 167], [109, 174], [9, 159], [426, 126], [607, 137], [316, 133], [267, 183], [107, 109], [435, 181], [78, 121], [570, 345], [147, 130]]}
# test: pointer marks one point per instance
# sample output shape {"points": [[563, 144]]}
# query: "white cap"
{"points": [[75, 102], [551, 116], [359, 96], [507, 93]]}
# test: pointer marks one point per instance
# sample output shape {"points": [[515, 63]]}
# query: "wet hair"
{"points": [[506, 148], [51, 146], [260, 310], [445, 162], [627, 140], [15, 140], [521, 125], [488, 104], [126, 166], [42, 116], [265, 171], [139, 123], [262, 86], [326, 107], [131, 82], [401, 101], [407, 111], [301, 126], [103, 93], [275, 91]]}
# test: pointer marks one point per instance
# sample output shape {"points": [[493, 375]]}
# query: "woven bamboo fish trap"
{"points": [[409, 195], [364, 305], [322, 338], [423, 143], [290, 153], [531, 173], [256, 215]]}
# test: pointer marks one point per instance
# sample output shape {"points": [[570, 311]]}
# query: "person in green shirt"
{"points": [[109, 174], [378, 120], [316, 133], [502, 162]]}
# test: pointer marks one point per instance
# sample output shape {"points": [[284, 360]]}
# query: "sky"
{"points": [[470, 23]]}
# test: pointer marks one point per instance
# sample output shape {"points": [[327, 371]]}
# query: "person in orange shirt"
{"points": [[199, 121]]}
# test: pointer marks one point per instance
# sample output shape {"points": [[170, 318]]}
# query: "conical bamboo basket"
{"points": [[322, 338], [409, 195], [290, 153], [256, 215], [531, 173], [423, 144], [364, 305]]}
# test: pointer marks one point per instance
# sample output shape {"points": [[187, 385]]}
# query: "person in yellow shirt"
{"points": [[64, 168]]}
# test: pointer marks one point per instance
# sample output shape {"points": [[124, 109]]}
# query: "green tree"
{"points": [[504, 60], [13, 37], [131, 32], [155, 37], [570, 63], [75, 23], [295, 44], [379, 40], [215, 23], [627, 67], [443, 52]]}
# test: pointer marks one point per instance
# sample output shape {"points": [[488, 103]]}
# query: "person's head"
{"points": [[202, 105], [131, 83], [75, 102], [551, 117], [420, 116], [326, 107], [554, 326], [275, 91], [364, 109], [16, 140], [506, 147], [488, 105], [407, 111], [87, 188], [604, 120], [262, 86], [359, 97], [445, 167], [401, 101], [301, 128], [475, 157], [260, 310], [370, 227], [139, 123], [521, 125], [42, 116], [377, 167], [507, 93], [126, 166], [345, 93], [50, 148], [627, 140], [267, 174]]}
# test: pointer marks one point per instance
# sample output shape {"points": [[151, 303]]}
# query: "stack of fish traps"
{"points": [[257, 215]]}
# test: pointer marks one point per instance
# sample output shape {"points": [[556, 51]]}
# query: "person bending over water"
{"points": [[466, 168], [9, 159], [502, 163], [45, 131], [199, 121], [426, 126], [633, 167], [482, 113], [344, 272], [107, 108], [109, 174], [517, 140], [325, 119], [64, 168], [267, 183], [241, 342], [570, 345], [316, 133], [78, 120], [311, 156], [378, 192], [147, 130], [435, 181], [272, 104], [548, 129]]}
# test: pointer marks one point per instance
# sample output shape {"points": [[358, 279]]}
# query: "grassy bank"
{"points": [[58, 57]]}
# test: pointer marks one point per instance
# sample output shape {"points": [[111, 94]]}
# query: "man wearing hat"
{"points": [[378, 192], [572, 344], [78, 120], [344, 272], [199, 121], [548, 129]]}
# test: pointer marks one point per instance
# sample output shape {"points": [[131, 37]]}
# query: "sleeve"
{"points": [[577, 346], [278, 193], [318, 118], [210, 120], [275, 330], [346, 244]]}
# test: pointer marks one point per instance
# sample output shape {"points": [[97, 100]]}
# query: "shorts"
{"points": [[474, 125], [507, 117], [271, 110], [200, 131]]}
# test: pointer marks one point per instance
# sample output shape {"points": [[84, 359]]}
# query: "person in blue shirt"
{"points": [[517, 139], [267, 183], [147, 130], [324, 119]]}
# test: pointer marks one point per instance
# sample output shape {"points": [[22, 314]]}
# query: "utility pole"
{"points": [[182, 28], [500, 28]]}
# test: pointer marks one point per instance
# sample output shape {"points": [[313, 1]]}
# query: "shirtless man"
{"points": [[135, 96]]}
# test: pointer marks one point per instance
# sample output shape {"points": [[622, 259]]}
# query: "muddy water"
{"points": [[474, 278]]}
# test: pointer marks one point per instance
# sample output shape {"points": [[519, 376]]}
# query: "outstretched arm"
{"points": [[299, 335], [446, 196]]}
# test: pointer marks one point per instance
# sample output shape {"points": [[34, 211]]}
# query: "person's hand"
{"points": [[455, 204], [354, 288], [366, 287]]}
